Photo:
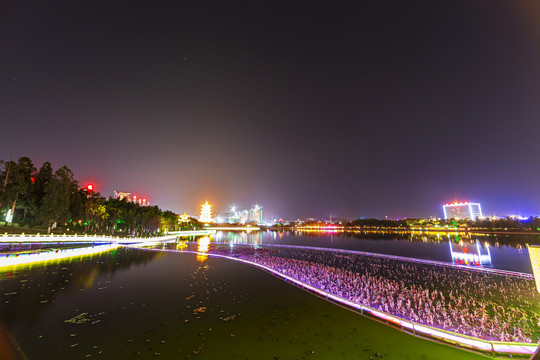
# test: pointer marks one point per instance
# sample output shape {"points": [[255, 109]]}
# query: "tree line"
{"points": [[508, 223], [52, 199]]}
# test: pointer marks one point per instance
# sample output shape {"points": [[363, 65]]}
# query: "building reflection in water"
{"points": [[473, 254], [244, 237], [203, 245]]}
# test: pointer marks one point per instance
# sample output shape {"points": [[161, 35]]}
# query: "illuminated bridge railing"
{"points": [[57, 238], [412, 327], [15, 259]]}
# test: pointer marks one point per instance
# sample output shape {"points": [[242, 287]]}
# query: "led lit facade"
{"points": [[462, 210], [206, 213]]}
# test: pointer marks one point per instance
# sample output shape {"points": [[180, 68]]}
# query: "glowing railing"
{"points": [[447, 336], [13, 259], [56, 238], [209, 231], [232, 228]]}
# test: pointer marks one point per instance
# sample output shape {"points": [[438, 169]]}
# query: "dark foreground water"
{"points": [[132, 304]]}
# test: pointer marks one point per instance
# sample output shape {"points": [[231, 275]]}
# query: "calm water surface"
{"points": [[507, 252], [131, 304]]}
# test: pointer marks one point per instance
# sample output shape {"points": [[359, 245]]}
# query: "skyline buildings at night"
{"points": [[359, 110]]}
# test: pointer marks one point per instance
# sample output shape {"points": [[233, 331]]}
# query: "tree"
{"points": [[168, 221], [19, 184], [57, 199]]}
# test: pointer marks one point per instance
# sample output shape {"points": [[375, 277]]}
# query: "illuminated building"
{"points": [[121, 195], [462, 210], [244, 217], [206, 213], [233, 216], [255, 214], [184, 217]]}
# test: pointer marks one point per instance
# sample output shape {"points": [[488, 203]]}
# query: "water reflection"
{"points": [[203, 245], [470, 254], [28, 291], [502, 251]]}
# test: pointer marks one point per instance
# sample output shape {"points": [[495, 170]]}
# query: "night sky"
{"points": [[355, 109]]}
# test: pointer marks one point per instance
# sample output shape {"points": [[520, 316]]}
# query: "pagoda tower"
{"points": [[206, 213]]}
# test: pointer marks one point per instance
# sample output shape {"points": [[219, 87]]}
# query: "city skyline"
{"points": [[366, 109]]}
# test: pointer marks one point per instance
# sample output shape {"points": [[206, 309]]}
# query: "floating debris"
{"points": [[228, 318], [79, 319], [199, 310]]}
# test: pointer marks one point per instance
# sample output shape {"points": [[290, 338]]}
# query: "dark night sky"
{"points": [[355, 109]]}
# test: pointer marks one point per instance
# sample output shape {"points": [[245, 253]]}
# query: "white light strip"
{"points": [[23, 238]]}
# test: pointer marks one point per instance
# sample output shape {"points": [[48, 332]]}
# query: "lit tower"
{"points": [[184, 217], [206, 213]]}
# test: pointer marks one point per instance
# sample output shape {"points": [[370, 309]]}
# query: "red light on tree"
{"points": [[33, 179], [90, 187]]}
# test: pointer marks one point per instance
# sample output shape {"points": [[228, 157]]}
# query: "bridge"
{"points": [[101, 243]]}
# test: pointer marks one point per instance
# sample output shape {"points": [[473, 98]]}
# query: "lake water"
{"points": [[506, 252], [130, 304]]}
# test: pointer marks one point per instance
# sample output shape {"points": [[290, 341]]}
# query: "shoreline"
{"points": [[408, 230]]}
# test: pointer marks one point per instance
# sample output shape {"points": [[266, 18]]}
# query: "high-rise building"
{"points": [[462, 210], [256, 214], [121, 195]]}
